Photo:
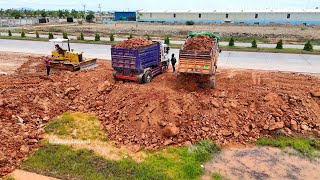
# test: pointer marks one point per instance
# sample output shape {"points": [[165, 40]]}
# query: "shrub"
{"points": [[9, 33], [50, 35], [279, 44], [65, 35], [97, 37], [231, 42], [148, 37], [81, 37], [167, 40], [80, 22], [308, 46], [189, 23], [130, 37], [254, 44], [111, 37], [23, 34], [37, 34]]}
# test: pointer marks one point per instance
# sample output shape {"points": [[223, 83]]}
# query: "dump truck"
{"points": [[68, 59], [140, 64], [199, 56]]}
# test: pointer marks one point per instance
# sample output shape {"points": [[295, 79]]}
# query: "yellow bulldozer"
{"points": [[67, 59]]}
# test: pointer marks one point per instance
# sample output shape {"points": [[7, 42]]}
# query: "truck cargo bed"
{"points": [[198, 62], [135, 60]]}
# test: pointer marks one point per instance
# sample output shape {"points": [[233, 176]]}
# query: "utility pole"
{"points": [[84, 11], [100, 12]]}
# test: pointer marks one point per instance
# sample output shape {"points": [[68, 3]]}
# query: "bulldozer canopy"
{"points": [[204, 33]]}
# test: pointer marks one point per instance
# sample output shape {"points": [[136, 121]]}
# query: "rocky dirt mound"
{"points": [[201, 42], [133, 43], [244, 106]]}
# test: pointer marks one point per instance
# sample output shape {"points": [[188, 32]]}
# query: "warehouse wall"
{"points": [[310, 18]]}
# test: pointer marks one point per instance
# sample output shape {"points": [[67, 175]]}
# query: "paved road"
{"points": [[248, 60], [293, 46]]}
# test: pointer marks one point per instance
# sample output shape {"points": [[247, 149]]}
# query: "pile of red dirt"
{"points": [[133, 43], [201, 42], [245, 106]]}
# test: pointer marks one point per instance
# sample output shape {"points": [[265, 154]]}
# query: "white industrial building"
{"points": [[307, 17]]}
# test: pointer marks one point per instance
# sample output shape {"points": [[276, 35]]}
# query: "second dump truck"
{"points": [[199, 56]]}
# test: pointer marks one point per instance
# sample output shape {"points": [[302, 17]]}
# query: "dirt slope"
{"points": [[245, 106]]}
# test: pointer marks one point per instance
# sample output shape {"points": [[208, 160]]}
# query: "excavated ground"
{"points": [[245, 105]]}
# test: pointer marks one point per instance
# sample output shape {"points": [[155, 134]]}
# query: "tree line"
{"points": [[20, 13]]}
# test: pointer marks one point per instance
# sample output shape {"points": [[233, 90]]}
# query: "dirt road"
{"points": [[245, 105]]}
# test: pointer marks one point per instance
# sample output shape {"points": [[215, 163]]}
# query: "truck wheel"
{"points": [[147, 77], [115, 75]]}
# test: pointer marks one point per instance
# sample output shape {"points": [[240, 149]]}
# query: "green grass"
{"points": [[245, 39], [306, 147], [216, 176], [75, 125], [66, 163], [272, 50], [9, 178]]}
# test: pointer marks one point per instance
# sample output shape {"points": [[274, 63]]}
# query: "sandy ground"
{"points": [[270, 31], [262, 163], [10, 63], [24, 175]]}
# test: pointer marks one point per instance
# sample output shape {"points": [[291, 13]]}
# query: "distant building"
{"points": [[125, 16], [307, 17]]}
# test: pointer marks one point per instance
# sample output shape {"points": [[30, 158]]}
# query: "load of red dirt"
{"points": [[133, 43], [245, 106], [200, 42]]}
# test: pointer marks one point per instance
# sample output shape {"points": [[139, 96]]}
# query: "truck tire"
{"points": [[115, 75], [147, 77]]}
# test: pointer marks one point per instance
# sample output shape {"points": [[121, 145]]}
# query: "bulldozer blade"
{"points": [[88, 64]]}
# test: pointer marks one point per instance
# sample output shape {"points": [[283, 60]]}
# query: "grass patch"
{"points": [[306, 147], [271, 50], [216, 176], [66, 163], [245, 39], [9, 178], [75, 125]]}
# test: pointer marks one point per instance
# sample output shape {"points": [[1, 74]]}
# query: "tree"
{"points": [[149, 38], [37, 34], [65, 35], [23, 34], [60, 14], [130, 36], [231, 42], [167, 40], [279, 44], [254, 44], [97, 37], [111, 37], [81, 37], [9, 33], [51, 35], [90, 16], [74, 13], [308, 46], [44, 13]]}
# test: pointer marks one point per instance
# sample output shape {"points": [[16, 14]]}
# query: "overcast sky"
{"points": [[160, 4]]}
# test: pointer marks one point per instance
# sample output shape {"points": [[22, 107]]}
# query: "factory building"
{"points": [[263, 17], [125, 16]]}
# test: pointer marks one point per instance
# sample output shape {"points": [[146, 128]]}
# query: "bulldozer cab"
{"points": [[62, 52]]}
